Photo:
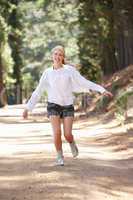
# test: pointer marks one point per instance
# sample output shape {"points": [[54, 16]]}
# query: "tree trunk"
{"points": [[1, 75], [124, 32], [15, 41], [3, 98]]}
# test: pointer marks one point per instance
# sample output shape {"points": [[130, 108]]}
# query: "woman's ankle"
{"points": [[60, 153]]}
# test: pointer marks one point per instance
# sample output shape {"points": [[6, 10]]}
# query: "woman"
{"points": [[60, 81]]}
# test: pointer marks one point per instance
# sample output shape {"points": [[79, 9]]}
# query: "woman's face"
{"points": [[58, 57]]}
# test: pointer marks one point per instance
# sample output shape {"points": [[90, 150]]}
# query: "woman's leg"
{"points": [[56, 126], [67, 125]]}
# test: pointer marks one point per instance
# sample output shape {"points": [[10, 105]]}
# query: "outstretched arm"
{"points": [[35, 95], [82, 84], [108, 94]]}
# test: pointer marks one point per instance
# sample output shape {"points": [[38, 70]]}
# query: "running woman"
{"points": [[60, 82]]}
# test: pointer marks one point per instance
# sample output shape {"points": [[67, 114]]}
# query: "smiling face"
{"points": [[58, 56]]}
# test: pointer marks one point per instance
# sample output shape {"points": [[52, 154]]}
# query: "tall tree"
{"points": [[46, 24], [107, 50], [106, 37], [3, 37], [88, 39], [124, 32], [15, 41], [96, 40], [4, 47]]}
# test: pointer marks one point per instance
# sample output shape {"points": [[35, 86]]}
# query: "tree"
{"points": [[3, 38], [107, 50], [96, 39], [124, 32], [46, 24], [5, 57], [106, 37], [15, 41], [88, 39]]}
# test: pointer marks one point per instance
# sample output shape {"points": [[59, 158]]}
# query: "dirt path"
{"points": [[103, 170]]}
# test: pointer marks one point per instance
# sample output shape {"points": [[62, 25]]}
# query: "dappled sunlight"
{"points": [[55, 55], [31, 137], [103, 169], [13, 115], [83, 128], [19, 120], [78, 179], [95, 122]]}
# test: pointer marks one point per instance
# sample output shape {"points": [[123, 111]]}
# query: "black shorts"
{"points": [[62, 111]]}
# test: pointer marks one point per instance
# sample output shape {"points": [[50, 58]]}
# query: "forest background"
{"points": [[97, 36]]}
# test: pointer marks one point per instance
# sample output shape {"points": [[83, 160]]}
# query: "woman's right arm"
{"points": [[35, 95], [25, 113]]}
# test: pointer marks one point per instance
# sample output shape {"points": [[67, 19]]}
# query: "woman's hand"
{"points": [[108, 94], [25, 114]]}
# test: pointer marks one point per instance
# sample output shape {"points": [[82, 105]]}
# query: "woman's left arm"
{"points": [[87, 85], [108, 94]]}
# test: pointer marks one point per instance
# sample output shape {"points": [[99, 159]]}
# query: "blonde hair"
{"points": [[60, 48]]}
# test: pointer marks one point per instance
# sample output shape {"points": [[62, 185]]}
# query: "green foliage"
{"points": [[122, 104], [15, 41], [10, 43], [115, 86], [5, 50], [106, 29], [3, 30], [92, 32], [121, 101], [102, 103], [28, 81], [87, 39], [7, 61], [46, 24]]}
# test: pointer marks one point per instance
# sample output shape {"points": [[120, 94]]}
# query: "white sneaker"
{"points": [[74, 149], [60, 158], [60, 162]]}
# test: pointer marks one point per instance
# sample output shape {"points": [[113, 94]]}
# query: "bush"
{"points": [[121, 104]]}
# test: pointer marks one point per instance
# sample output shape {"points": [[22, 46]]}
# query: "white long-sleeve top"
{"points": [[60, 84]]}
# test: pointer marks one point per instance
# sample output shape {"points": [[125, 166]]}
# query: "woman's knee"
{"points": [[68, 136]]}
